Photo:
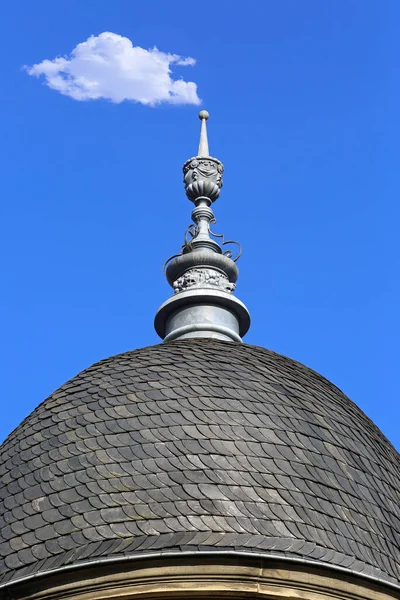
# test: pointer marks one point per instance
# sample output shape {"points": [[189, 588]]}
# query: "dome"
{"points": [[199, 446]]}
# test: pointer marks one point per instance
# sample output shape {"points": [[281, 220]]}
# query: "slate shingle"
{"points": [[200, 445]]}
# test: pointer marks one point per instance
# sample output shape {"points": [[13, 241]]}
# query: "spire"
{"points": [[203, 143], [203, 275]]}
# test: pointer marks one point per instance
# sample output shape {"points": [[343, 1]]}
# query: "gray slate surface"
{"points": [[199, 445]]}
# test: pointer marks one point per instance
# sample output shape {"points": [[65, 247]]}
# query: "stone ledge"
{"points": [[199, 577]]}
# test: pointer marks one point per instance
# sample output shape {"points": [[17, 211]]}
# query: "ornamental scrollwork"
{"points": [[203, 174], [203, 169], [203, 278]]}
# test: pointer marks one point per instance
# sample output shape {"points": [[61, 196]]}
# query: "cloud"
{"points": [[109, 66]]}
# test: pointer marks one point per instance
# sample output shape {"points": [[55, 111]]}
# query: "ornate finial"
{"points": [[203, 275], [203, 181], [203, 143], [203, 173]]}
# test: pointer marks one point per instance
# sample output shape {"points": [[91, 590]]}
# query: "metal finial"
{"points": [[203, 173], [203, 275], [203, 144]]}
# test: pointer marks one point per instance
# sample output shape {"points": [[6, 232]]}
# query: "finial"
{"points": [[203, 276], [203, 173], [203, 144]]}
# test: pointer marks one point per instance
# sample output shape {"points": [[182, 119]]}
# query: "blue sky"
{"points": [[304, 104]]}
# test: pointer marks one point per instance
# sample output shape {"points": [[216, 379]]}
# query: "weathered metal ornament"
{"points": [[203, 275]]}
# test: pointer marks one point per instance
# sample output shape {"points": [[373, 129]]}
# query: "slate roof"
{"points": [[199, 445]]}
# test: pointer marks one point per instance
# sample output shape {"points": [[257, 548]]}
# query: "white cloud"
{"points": [[109, 66]]}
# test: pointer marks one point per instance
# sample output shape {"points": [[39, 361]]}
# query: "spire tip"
{"points": [[203, 114], [203, 144]]}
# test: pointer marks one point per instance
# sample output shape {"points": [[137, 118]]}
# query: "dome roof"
{"points": [[199, 446]]}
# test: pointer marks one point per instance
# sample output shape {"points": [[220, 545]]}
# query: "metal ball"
{"points": [[203, 114]]}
